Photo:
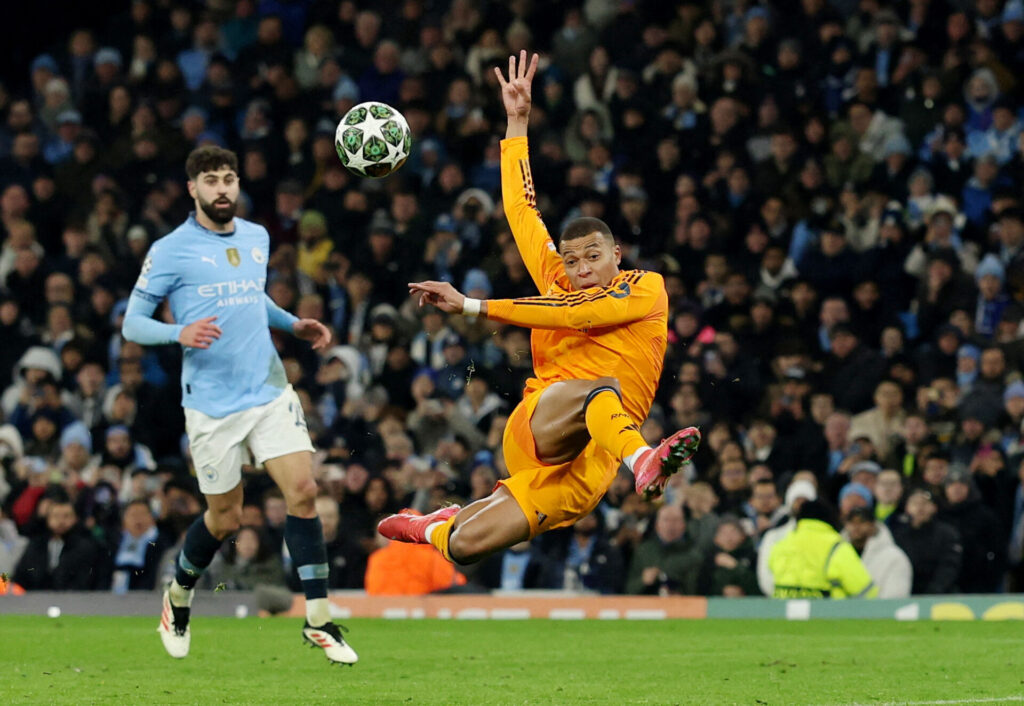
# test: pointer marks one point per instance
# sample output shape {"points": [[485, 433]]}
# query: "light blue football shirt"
{"points": [[202, 273]]}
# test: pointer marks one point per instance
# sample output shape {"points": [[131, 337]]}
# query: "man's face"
{"points": [[764, 499], [590, 261], [60, 518], [993, 364], [935, 471], [733, 476], [957, 492], [843, 344], [859, 529], [670, 524], [888, 487], [216, 194], [119, 445], [137, 519], [920, 508]]}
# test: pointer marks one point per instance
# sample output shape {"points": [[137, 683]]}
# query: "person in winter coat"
{"points": [[729, 567], [888, 565], [814, 561], [933, 546], [979, 532], [668, 562]]}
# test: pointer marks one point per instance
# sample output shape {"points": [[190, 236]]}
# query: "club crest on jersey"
{"points": [[233, 257], [258, 257]]}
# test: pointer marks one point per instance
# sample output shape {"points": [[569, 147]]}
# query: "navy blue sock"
{"points": [[305, 539], [196, 555]]}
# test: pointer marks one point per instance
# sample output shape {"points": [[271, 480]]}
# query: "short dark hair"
{"points": [[209, 158], [582, 227]]}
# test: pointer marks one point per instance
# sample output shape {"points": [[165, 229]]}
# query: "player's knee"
{"points": [[302, 495], [225, 523]]}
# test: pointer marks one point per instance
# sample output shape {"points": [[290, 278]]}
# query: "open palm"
{"points": [[516, 91]]}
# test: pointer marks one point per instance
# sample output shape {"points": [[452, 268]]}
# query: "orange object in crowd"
{"points": [[401, 569]]}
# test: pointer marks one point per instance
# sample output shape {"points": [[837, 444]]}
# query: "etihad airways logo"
{"points": [[232, 287]]}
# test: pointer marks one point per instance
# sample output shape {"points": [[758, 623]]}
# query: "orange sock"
{"points": [[439, 536], [611, 426]]}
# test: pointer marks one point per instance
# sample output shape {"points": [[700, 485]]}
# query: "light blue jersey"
{"points": [[202, 274]]}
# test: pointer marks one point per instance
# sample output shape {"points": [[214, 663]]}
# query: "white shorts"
{"points": [[219, 446]]}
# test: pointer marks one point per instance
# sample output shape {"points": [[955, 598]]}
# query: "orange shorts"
{"points": [[552, 496]]}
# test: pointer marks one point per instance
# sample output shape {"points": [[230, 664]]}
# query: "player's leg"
{"points": [[202, 540], [304, 535], [464, 535], [280, 441], [571, 412]]}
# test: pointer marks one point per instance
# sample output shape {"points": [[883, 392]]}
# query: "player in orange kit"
{"points": [[598, 343]]}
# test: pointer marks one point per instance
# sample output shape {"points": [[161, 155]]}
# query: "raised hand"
{"points": [[441, 294], [516, 92], [200, 334]]}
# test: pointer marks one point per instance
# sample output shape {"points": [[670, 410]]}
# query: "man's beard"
{"points": [[218, 213]]}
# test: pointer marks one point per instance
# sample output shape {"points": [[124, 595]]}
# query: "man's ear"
{"points": [[617, 250], [191, 188]]}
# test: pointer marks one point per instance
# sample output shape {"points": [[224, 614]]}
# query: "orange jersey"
{"points": [[618, 331]]}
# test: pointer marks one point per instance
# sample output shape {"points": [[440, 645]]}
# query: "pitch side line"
{"points": [[1019, 698]]}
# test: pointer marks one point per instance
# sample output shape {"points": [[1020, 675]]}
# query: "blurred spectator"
{"points": [[139, 551], [64, 557], [666, 563], [245, 562], [934, 547], [729, 568], [888, 565]]}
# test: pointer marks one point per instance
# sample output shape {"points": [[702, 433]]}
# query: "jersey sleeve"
{"points": [[631, 299], [158, 276], [519, 199], [277, 317]]}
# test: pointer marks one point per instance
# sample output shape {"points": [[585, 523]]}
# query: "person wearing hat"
{"points": [[1013, 408], [814, 561], [851, 370], [1000, 138], [577, 423], [980, 537], [933, 547], [887, 564], [991, 301], [314, 245]]}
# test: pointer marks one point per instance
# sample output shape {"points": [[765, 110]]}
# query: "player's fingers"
{"points": [[512, 68], [207, 320], [522, 63], [501, 78], [533, 67]]}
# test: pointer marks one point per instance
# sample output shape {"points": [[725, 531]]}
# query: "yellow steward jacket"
{"points": [[814, 561]]}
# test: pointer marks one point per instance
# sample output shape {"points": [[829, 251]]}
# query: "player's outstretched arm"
{"points": [[632, 299], [518, 195], [140, 326]]}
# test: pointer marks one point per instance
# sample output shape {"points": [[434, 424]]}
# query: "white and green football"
{"points": [[373, 139]]}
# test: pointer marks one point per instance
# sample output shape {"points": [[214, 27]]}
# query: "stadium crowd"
{"points": [[832, 192]]}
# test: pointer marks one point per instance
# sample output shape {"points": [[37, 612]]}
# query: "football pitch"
{"points": [[78, 660]]}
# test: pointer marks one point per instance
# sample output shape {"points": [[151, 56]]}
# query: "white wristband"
{"points": [[471, 307]]}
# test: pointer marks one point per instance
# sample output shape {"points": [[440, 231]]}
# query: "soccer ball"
{"points": [[373, 139]]}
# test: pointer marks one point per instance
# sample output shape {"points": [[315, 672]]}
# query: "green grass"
{"points": [[120, 660]]}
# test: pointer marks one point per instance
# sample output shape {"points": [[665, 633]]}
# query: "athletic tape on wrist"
{"points": [[471, 307]]}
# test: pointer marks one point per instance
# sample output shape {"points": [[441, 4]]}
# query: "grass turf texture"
{"points": [[120, 660]]}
